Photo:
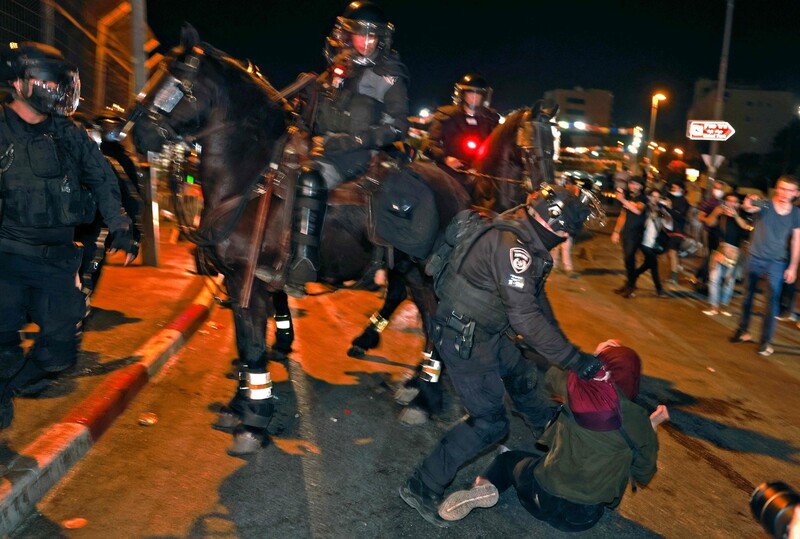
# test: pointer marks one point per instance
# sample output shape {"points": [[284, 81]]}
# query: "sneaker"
{"points": [[416, 494], [621, 290], [460, 503], [791, 317], [765, 350], [740, 337], [630, 293], [711, 312], [725, 313]]}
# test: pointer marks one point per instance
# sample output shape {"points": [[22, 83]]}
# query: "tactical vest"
{"points": [[40, 187], [354, 108], [483, 306]]}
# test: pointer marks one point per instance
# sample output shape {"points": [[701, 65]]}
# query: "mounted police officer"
{"points": [[54, 178], [458, 130], [491, 294], [362, 106]]}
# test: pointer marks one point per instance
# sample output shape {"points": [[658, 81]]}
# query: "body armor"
{"points": [[41, 186]]}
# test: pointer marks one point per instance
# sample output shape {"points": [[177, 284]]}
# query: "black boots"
{"points": [[309, 214]]}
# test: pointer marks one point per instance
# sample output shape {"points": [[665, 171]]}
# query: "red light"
{"points": [[471, 144]]}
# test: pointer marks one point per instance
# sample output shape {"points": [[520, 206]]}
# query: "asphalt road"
{"points": [[339, 454]]}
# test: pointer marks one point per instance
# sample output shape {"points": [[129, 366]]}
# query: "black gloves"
{"points": [[123, 239], [587, 366]]}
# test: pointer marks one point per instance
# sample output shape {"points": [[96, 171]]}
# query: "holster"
{"points": [[464, 328]]}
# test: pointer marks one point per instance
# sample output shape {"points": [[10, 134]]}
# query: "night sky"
{"points": [[524, 48]]}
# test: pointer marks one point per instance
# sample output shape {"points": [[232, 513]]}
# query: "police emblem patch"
{"points": [[520, 259]]}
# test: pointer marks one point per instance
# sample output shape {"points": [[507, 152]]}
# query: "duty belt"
{"points": [[467, 333], [38, 251]]}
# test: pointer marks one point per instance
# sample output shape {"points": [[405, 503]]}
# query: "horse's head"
{"points": [[536, 140], [174, 103]]}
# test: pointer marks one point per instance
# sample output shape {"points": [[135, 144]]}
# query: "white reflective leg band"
{"points": [[379, 322], [431, 369], [259, 386], [283, 324]]}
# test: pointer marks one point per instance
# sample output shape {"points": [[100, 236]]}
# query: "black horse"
{"points": [[516, 159], [239, 119]]}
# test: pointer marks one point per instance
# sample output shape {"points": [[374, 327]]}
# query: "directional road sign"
{"points": [[709, 130]]}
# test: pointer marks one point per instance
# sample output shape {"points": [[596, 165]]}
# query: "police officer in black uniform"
{"points": [[106, 131], [362, 106], [458, 130], [51, 173], [497, 295]]}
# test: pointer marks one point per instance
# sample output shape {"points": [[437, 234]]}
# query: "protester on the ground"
{"points": [[679, 210], [600, 441], [774, 253], [655, 240], [49, 168], [710, 233], [734, 230], [630, 227], [494, 291]]}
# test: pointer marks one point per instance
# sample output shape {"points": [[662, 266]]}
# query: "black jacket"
{"points": [[499, 261], [452, 129], [81, 165]]}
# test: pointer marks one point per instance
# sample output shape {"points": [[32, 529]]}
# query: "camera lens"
{"points": [[773, 504]]}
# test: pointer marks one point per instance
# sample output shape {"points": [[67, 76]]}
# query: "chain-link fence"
{"points": [[96, 35]]}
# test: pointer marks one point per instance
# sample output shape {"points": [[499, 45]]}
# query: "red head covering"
{"points": [[594, 403]]}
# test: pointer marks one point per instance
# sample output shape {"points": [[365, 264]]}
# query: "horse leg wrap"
{"points": [[284, 333], [431, 368], [259, 405], [378, 322]]}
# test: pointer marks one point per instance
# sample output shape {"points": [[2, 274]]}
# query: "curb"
{"points": [[43, 463]]}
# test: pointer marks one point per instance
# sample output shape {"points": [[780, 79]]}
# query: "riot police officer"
{"points": [[54, 178], [362, 105], [458, 130], [106, 131], [497, 295]]}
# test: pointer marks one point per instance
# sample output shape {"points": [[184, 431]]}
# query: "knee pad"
{"points": [[491, 429], [523, 378]]}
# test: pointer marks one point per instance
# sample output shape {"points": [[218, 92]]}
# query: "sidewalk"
{"points": [[141, 316]]}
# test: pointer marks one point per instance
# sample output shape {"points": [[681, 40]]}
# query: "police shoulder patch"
{"points": [[520, 259]]}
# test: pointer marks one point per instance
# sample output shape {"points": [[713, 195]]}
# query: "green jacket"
{"points": [[590, 467]]}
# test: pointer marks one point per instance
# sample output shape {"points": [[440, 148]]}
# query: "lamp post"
{"points": [[653, 111]]}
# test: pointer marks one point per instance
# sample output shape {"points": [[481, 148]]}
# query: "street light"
{"points": [[653, 111]]}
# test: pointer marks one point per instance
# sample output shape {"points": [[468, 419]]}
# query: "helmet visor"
{"points": [[54, 89]]}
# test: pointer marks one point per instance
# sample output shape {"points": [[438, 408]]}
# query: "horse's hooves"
{"points": [[403, 395], [412, 416], [356, 352], [226, 420], [246, 443]]}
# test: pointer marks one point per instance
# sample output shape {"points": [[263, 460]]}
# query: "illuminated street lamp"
{"points": [[653, 111], [678, 152]]}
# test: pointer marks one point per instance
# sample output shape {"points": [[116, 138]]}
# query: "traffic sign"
{"points": [[709, 130]]}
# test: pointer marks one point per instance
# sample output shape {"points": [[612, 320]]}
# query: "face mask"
{"points": [[717, 193]]}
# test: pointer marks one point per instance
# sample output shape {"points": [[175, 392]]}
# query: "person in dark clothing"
{"points": [[679, 211], [458, 130], [493, 294], [361, 106], [600, 440], [50, 168], [630, 227], [658, 218], [106, 131], [711, 232]]}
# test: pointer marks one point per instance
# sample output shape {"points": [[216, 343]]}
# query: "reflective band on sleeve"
{"points": [[259, 386], [431, 369], [379, 322], [283, 324]]}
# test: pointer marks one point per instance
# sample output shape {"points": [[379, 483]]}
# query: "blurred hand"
{"points": [[605, 344], [615, 237], [660, 415], [454, 163]]}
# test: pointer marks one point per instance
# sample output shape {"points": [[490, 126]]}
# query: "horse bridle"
{"points": [[530, 141]]}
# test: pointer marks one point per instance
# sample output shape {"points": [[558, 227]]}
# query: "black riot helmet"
{"points": [[472, 82], [363, 20], [49, 83], [566, 208]]}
